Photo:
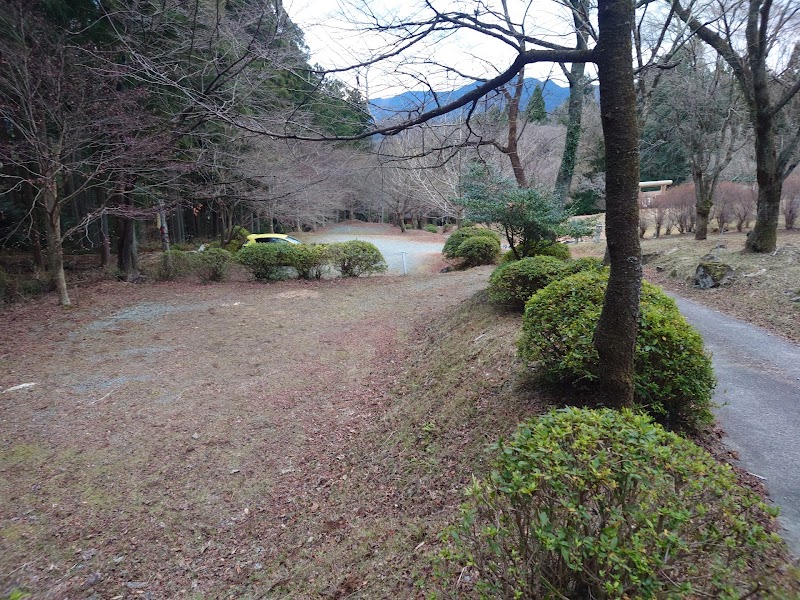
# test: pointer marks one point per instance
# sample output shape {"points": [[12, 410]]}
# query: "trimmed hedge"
{"points": [[606, 504], [175, 264], [513, 283], [309, 260], [355, 258], [478, 250], [212, 264], [267, 262], [673, 375], [460, 235]]}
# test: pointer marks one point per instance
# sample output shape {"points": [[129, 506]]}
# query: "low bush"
{"points": [[309, 259], [267, 262], [513, 283], [478, 250], [355, 258], [460, 235], [673, 375], [212, 264], [175, 264], [431, 228], [607, 504], [586, 263], [554, 249]]}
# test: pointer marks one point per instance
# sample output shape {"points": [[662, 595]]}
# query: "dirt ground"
{"points": [[183, 440], [243, 440]]}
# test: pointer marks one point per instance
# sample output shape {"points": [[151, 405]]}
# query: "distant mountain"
{"points": [[415, 102]]}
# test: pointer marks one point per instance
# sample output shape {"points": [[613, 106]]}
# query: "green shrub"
{"points": [[267, 262], [175, 264], [587, 263], [238, 238], [212, 264], [673, 375], [460, 235], [309, 259], [606, 504], [554, 249], [431, 228], [478, 250], [355, 257], [513, 283]]}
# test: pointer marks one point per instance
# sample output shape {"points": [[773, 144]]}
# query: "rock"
{"points": [[796, 299], [446, 270], [720, 246], [94, 579], [659, 269], [711, 272]]}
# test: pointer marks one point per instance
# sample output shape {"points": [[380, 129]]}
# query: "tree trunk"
{"points": [[569, 157], [105, 241], [764, 235], [127, 247], [164, 229], [55, 252], [703, 203], [615, 336]]}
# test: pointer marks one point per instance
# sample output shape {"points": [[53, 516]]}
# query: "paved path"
{"points": [[759, 394]]}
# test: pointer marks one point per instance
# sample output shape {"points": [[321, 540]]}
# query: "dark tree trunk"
{"points": [[703, 195], [569, 158], [615, 336], [764, 235], [105, 241], [127, 247]]}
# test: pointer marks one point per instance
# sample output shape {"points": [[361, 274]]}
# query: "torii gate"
{"points": [[645, 198]]}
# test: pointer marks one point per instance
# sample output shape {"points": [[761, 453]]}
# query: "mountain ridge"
{"points": [[415, 102]]}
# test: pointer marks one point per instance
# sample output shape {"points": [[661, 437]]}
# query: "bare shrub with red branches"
{"points": [[735, 203], [679, 203], [790, 200]]}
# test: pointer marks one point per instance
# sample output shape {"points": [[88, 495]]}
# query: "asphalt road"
{"points": [[759, 397]]}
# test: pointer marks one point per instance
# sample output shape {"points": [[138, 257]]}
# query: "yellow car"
{"points": [[270, 238]]}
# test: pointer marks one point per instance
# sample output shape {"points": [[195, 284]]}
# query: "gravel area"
{"points": [[405, 253]]}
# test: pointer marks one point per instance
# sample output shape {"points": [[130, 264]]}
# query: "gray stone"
{"points": [[711, 273]]}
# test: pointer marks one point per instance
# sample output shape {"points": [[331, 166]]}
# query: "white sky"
{"points": [[334, 43]]}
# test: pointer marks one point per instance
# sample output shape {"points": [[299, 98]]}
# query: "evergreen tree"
{"points": [[536, 111]]}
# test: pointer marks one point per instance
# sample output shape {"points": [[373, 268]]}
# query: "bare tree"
{"points": [[767, 92]]}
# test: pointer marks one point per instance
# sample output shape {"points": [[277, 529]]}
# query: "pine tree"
{"points": [[536, 111]]}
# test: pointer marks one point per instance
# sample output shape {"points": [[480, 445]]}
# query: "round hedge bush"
{"points": [[478, 250], [513, 283], [607, 504], [460, 235], [212, 264], [673, 376], [309, 259], [355, 258], [267, 262]]}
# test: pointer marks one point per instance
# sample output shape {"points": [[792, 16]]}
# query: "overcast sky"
{"points": [[334, 44]]}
